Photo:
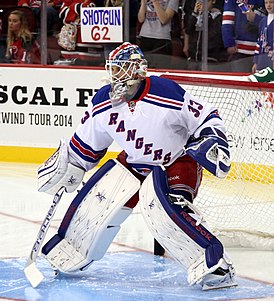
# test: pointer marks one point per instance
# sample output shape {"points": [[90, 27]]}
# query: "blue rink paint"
{"points": [[123, 276]]}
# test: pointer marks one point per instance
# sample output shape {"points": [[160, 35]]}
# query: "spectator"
{"points": [[77, 52], [21, 47], [155, 38], [70, 9], [52, 11], [194, 30], [133, 8], [220, 5], [264, 49], [240, 32], [188, 8], [2, 42]]}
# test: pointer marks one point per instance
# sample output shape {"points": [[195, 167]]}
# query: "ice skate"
{"points": [[221, 278]]}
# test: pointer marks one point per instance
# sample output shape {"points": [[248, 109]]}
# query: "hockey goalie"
{"points": [[168, 137]]}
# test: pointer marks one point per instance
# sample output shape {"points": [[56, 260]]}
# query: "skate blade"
{"points": [[218, 286]]}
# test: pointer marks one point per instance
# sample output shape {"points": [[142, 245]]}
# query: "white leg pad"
{"points": [[178, 241], [81, 246], [95, 222], [178, 244]]}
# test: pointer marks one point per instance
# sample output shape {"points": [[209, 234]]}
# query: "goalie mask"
{"points": [[126, 68]]}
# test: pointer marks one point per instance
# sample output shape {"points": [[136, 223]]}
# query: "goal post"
{"points": [[240, 208]]}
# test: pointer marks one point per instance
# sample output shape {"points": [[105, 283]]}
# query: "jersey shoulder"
{"points": [[101, 101], [101, 95], [166, 88]]}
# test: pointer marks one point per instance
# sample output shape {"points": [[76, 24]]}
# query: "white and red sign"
{"points": [[102, 24]]}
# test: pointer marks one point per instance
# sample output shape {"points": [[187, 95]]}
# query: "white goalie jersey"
{"points": [[153, 129]]}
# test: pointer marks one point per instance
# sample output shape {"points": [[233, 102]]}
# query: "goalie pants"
{"points": [[184, 177]]}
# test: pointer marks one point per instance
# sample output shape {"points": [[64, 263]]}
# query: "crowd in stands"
{"points": [[21, 46], [193, 35], [170, 33]]}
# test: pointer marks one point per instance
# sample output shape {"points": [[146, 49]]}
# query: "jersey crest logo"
{"points": [[131, 105]]}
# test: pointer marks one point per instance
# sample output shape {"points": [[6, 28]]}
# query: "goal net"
{"points": [[240, 208]]}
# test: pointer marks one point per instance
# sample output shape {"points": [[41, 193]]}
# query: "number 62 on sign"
{"points": [[102, 24]]}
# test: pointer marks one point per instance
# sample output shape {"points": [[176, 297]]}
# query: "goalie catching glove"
{"points": [[211, 151], [57, 172]]}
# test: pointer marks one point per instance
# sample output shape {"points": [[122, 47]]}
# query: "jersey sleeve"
{"points": [[173, 4], [228, 23], [198, 115], [90, 141], [69, 11], [257, 19]]}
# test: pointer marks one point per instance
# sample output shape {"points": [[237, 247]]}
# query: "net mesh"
{"points": [[240, 209]]}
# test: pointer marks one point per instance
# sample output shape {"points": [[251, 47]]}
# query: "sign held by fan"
{"points": [[102, 24]]}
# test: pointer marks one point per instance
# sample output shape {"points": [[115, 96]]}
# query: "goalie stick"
{"points": [[32, 273]]}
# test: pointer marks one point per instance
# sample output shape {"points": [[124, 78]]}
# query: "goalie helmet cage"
{"points": [[240, 208]]}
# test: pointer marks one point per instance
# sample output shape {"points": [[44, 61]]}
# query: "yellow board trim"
{"points": [[250, 172], [35, 154]]}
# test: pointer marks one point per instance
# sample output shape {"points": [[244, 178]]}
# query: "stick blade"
{"points": [[33, 275]]}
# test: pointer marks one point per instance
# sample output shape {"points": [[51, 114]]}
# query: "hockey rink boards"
{"points": [[129, 271]]}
